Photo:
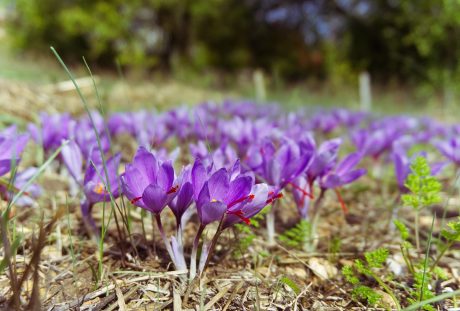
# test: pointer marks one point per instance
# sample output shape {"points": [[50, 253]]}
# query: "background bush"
{"points": [[411, 41]]}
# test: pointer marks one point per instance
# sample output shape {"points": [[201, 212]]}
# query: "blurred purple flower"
{"points": [[52, 130], [450, 149], [94, 185], [10, 149], [344, 173], [31, 193]]}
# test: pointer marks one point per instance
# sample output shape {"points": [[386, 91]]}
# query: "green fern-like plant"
{"points": [[424, 190], [246, 234], [370, 267], [421, 290], [451, 235], [298, 236]]}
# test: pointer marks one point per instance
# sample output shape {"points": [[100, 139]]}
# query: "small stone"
{"points": [[322, 268], [386, 300]]}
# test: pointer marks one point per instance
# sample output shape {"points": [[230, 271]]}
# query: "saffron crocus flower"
{"points": [[247, 208], [219, 195], [96, 185], [402, 169], [147, 183], [282, 166], [73, 160], [323, 160], [184, 198], [52, 130], [10, 149], [450, 149], [301, 192], [344, 173], [31, 193], [84, 135]]}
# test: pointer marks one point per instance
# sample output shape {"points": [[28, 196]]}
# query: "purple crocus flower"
{"points": [[279, 167], [94, 185], [324, 158], [220, 194], [30, 194], [301, 192], [94, 181], [148, 183], [73, 160], [85, 137], [184, 197], [402, 167], [450, 149], [54, 129], [10, 149], [344, 173], [247, 208]]}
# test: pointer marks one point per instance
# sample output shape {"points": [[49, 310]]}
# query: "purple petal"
{"points": [[199, 177], [73, 160], [239, 188], [218, 185], [134, 184], [212, 211], [183, 200], [165, 176], [348, 163], [147, 164], [155, 199]]}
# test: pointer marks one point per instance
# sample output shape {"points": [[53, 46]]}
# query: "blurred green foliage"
{"points": [[411, 41], [222, 34]]}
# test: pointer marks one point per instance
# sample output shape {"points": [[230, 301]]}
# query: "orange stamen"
{"points": [[99, 188]]}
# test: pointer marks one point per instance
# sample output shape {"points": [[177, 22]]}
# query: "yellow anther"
{"points": [[99, 188]]}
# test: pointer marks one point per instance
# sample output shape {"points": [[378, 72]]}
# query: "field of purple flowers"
{"points": [[230, 206]]}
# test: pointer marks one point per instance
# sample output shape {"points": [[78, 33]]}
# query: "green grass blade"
{"points": [[441, 297]]}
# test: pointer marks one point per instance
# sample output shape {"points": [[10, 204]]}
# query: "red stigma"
{"points": [[240, 214], [272, 199], [342, 203], [248, 197], [173, 189], [135, 200], [305, 193]]}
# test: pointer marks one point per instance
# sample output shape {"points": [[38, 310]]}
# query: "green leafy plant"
{"points": [[421, 290], [451, 235], [424, 190], [298, 236], [424, 272], [371, 268]]}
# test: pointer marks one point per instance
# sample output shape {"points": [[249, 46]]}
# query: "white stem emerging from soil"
{"points": [[312, 242], [271, 225], [196, 242], [165, 239]]}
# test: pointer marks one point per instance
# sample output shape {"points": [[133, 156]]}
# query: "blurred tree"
{"points": [[295, 39]]}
